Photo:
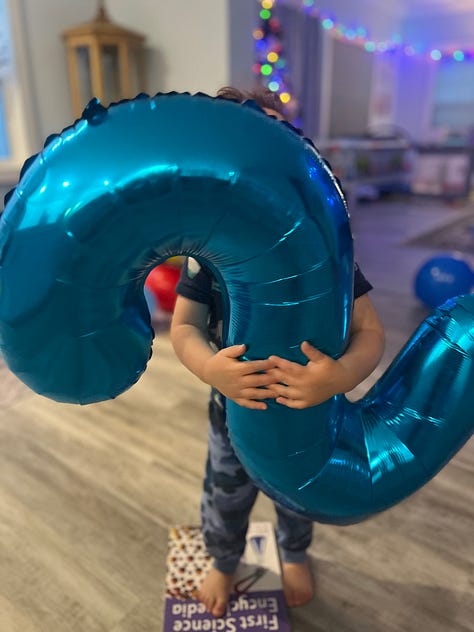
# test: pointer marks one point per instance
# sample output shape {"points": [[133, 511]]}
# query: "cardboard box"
{"points": [[257, 602]]}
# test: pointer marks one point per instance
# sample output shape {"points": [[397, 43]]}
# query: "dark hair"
{"points": [[263, 97]]}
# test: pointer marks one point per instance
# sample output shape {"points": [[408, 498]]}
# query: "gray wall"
{"points": [[242, 17]]}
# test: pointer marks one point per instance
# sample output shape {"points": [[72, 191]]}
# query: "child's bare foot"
{"points": [[298, 584], [215, 590]]}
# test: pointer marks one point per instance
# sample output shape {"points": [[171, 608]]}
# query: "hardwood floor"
{"points": [[87, 494]]}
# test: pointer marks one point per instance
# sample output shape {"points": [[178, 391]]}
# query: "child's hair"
{"points": [[263, 97]]}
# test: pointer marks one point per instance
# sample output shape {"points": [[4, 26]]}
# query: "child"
{"points": [[229, 494]]}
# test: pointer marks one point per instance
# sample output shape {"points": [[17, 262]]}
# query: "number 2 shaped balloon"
{"points": [[125, 188]]}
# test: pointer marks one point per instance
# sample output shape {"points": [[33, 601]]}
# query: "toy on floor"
{"points": [[162, 282], [443, 277], [127, 187]]}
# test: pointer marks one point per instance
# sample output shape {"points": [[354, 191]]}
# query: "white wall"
{"points": [[380, 18], [200, 46], [438, 30], [42, 25], [407, 102], [187, 43], [414, 93], [357, 98]]}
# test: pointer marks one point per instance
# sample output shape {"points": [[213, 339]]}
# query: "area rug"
{"points": [[457, 236]]}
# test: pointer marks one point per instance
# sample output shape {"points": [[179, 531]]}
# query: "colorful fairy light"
{"points": [[270, 66], [327, 24], [357, 34]]}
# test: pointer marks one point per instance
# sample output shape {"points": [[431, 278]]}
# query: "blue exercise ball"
{"points": [[443, 277]]}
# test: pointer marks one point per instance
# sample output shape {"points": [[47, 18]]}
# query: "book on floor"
{"points": [[257, 601]]}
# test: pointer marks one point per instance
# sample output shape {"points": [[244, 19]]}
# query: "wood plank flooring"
{"points": [[87, 494]]}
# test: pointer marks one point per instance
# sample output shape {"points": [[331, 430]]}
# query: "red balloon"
{"points": [[162, 281]]}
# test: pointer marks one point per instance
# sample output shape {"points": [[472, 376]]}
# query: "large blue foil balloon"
{"points": [[127, 187]]}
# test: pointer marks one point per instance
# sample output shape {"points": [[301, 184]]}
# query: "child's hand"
{"points": [[298, 386], [240, 381]]}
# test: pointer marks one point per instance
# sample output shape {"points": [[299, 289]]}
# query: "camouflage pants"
{"points": [[228, 497]]}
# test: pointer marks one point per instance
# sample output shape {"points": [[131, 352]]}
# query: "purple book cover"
{"points": [[257, 602]]}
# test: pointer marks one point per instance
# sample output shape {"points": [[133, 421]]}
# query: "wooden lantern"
{"points": [[104, 61]]}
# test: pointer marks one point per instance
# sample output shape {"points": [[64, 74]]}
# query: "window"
{"points": [[17, 130], [453, 97], [4, 140], [6, 64]]}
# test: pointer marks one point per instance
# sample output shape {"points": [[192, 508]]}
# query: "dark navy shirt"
{"points": [[198, 284]]}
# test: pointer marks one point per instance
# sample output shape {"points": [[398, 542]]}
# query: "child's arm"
{"points": [[298, 386], [236, 380]]}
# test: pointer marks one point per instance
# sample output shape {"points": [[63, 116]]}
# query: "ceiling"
{"points": [[429, 7]]}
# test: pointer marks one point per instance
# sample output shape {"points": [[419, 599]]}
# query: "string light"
{"points": [[270, 66], [357, 34]]}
